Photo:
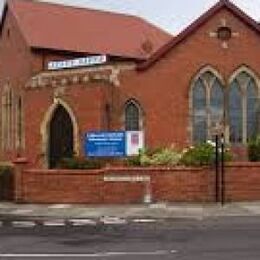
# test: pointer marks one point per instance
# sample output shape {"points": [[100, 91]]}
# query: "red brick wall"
{"points": [[15, 67], [167, 185], [88, 110], [243, 181], [62, 186], [66, 186], [183, 185]]}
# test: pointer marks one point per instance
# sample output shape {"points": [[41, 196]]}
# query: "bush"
{"points": [[81, 163], [202, 154], [254, 149], [167, 156], [133, 161], [155, 157]]}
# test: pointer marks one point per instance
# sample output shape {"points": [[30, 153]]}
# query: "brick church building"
{"points": [[65, 71]]}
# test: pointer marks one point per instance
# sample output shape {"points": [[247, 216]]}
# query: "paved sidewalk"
{"points": [[152, 211]]}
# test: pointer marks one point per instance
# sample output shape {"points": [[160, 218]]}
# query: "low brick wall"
{"points": [[133, 185], [89, 186], [242, 181]]}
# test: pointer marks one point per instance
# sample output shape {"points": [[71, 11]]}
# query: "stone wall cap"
{"points": [[20, 160]]}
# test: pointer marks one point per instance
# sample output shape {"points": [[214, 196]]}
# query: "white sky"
{"points": [[171, 15]]}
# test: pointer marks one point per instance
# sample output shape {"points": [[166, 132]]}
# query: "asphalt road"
{"points": [[221, 238]]}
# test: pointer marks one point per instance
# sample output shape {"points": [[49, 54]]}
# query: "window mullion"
{"points": [[208, 110], [244, 114], [225, 116]]}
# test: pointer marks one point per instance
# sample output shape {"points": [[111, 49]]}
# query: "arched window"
{"points": [[216, 104], [7, 118], [19, 123], [199, 112], [252, 110], [243, 108], [207, 106], [235, 113], [132, 116]]}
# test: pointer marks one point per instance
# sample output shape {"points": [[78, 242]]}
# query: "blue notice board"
{"points": [[105, 144]]}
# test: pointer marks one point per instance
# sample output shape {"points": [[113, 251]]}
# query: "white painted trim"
{"points": [[246, 69]]}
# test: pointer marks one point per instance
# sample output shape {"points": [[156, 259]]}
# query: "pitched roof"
{"points": [[195, 25], [64, 28]]}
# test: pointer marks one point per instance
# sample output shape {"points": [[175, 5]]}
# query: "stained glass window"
{"points": [[243, 108], [199, 112], [207, 102], [235, 113], [132, 117], [216, 104], [239, 109], [251, 110]]}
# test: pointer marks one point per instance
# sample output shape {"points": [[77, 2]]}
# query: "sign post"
{"points": [[217, 167], [218, 130], [222, 169]]}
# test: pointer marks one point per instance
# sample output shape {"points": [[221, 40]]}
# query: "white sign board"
{"points": [[75, 63], [134, 142]]}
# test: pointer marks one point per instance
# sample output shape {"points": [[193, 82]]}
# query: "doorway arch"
{"points": [[60, 136], [59, 128]]}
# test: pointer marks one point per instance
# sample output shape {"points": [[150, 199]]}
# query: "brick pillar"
{"points": [[19, 165]]}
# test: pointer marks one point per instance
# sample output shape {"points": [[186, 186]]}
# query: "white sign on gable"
{"points": [[80, 62]]}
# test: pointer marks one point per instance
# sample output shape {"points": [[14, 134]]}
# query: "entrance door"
{"points": [[60, 137]]}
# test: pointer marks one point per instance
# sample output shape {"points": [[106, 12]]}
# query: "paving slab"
{"points": [[158, 211]]}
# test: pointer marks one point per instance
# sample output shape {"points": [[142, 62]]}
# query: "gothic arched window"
{"points": [[19, 123], [243, 108], [207, 106], [252, 110], [199, 112], [132, 116], [235, 113], [7, 118]]}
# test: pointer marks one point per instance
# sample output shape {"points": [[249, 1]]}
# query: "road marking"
{"points": [[82, 222], [22, 211], [59, 206], [104, 254], [148, 220], [23, 224], [53, 223], [113, 220]]}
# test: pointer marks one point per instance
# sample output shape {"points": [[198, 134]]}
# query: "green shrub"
{"points": [[202, 154], [155, 157], [254, 149], [166, 156], [142, 159], [133, 160], [81, 163]]}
